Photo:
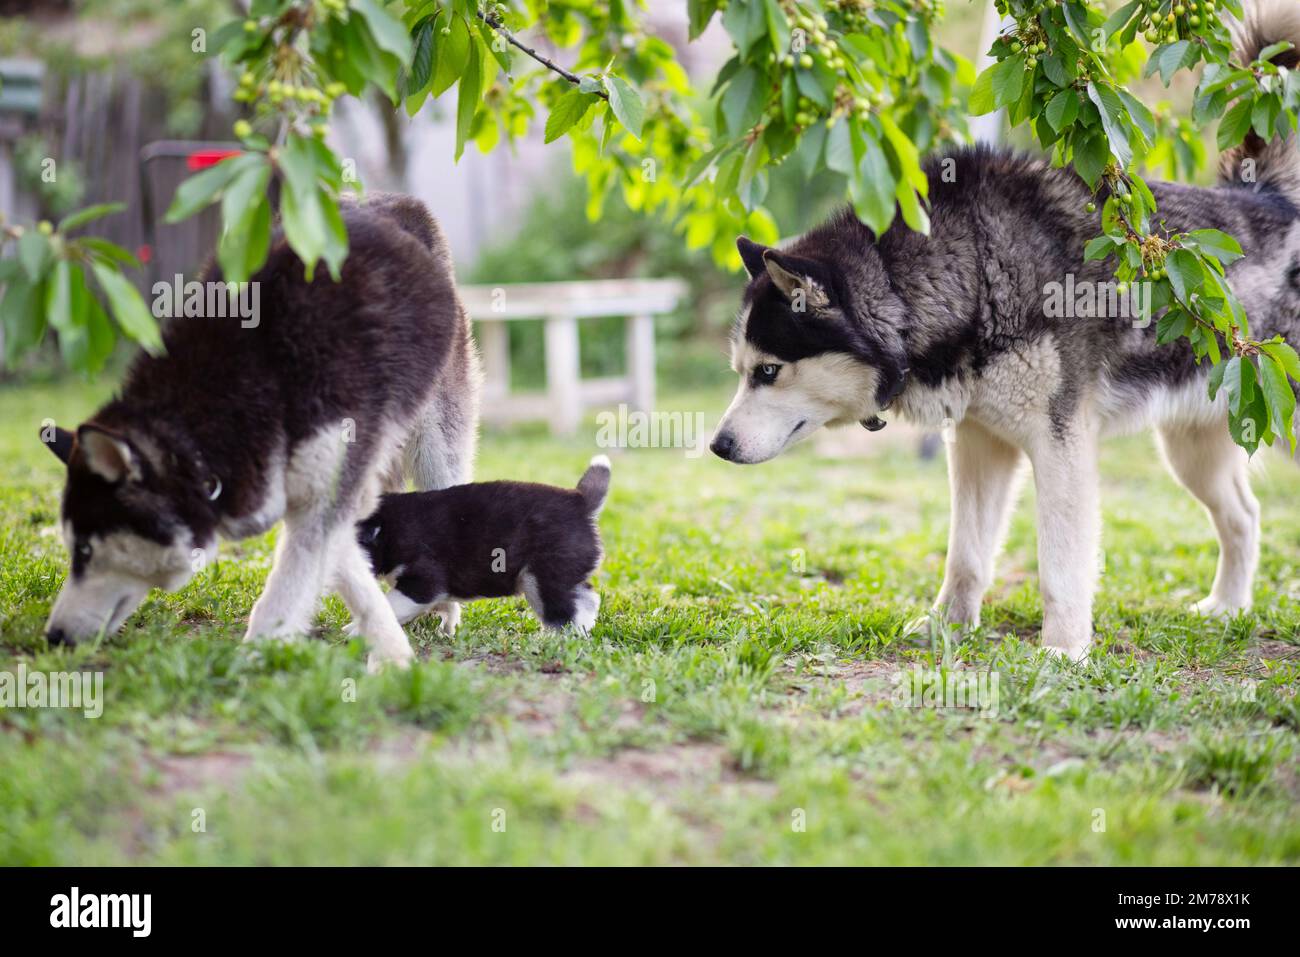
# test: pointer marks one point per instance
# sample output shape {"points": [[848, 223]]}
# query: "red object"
{"points": [[144, 253], [205, 158]]}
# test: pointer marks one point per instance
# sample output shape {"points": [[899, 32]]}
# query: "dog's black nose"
{"points": [[57, 636], [723, 445]]}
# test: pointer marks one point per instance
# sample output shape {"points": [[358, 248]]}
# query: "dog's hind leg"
{"points": [[372, 615], [440, 449], [1069, 532], [1212, 467], [983, 473]]}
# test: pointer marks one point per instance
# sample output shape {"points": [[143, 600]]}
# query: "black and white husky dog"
{"points": [[952, 331], [339, 392]]}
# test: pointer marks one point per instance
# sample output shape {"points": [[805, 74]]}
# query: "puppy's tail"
{"points": [[594, 484], [1256, 163]]}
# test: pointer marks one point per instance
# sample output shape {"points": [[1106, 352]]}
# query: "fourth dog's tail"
{"points": [[1275, 164], [594, 484]]}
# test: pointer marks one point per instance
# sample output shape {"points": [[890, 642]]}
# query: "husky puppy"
{"points": [[954, 330], [338, 390], [490, 540]]}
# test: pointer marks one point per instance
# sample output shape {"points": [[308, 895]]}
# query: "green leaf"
{"points": [[1186, 274], [452, 55], [388, 31], [1235, 124], [981, 94], [89, 214], [1264, 115], [742, 103], [242, 250], [1090, 158], [839, 149], [204, 188], [58, 298], [626, 104], [22, 316], [700, 12], [1168, 59], [568, 110], [1238, 384], [872, 187], [808, 154], [778, 27], [1063, 109], [422, 56], [35, 254], [1111, 109], [1008, 80], [241, 206], [909, 204], [1279, 397], [1120, 17], [746, 23], [129, 309], [1286, 355], [109, 252], [1099, 248], [1215, 243], [467, 96], [1274, 49]]}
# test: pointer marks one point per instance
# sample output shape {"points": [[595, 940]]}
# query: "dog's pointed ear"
{"points": [[796, 278], [59, 441], [751, 254], [108, 455]]}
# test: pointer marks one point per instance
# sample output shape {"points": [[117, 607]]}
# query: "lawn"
{"points": [[738, 701]]}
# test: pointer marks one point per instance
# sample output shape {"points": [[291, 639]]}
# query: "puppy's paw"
{"points": [[448, 613]]}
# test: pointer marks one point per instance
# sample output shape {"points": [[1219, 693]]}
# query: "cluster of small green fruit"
{"points": [[1166, 20], [1029, 40], [289, 90], [808, 35]]}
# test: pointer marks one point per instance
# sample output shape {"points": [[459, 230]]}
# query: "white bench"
{"points": [[560, 305]]}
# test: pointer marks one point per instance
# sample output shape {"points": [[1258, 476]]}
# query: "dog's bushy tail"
{"points": [[594, 484], [1273, 165]]}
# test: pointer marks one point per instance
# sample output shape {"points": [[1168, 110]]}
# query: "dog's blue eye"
{"points": [[766, 373]]}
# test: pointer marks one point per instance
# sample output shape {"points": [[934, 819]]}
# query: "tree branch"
{"points": [[492, 21]]}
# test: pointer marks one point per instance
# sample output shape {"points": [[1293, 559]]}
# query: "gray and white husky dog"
{"points": [[340, 392], [952, 330]]}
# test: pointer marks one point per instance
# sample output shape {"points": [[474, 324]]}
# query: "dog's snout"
{"points": [[723, 444], [57, 636]]}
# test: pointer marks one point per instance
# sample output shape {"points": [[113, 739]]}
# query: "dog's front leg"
{"points": [[1065, 477], [982, 473], [288, 601]]}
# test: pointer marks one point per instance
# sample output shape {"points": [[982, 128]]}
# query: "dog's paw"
{"points": [[272, 634], [1212, 607], [448, 613], [378, 661], [1074, 654]]}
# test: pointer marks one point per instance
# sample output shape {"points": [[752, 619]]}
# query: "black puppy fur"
{"points": [[490, 540]]}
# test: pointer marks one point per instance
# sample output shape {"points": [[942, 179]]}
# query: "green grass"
{"points": [[737, 701]]}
